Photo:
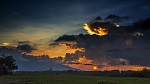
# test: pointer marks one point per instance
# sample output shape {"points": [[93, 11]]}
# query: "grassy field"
{"points": [[46, 78]]}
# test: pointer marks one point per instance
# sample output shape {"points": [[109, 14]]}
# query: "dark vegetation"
{"points": [[144, 73], [53, 78], [116, 73], [7, 64]]}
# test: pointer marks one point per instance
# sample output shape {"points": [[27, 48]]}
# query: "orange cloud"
{"points": [[98, 31], [56, 51]]}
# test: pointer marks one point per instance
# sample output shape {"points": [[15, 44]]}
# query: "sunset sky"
{"points": [[109, 34]]}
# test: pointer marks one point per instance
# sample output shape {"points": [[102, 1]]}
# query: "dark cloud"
{"points": [[73, 56], [128, 45], [109, 25], [112, 25], [26, 46], [22, 42], [98, 18], [116, 18], [66, 38], [140, 26]]}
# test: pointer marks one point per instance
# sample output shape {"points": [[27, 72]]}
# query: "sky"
{"points": [[71, 30]]}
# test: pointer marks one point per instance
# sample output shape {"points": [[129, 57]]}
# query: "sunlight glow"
{"points": [[6, 44], [98, 31], [95, 68]]}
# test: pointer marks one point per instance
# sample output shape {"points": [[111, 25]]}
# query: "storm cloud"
{"points": [[114, 25], [129, 45]]}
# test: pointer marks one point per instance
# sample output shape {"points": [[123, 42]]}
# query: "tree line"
{"points": [[113, 73]]}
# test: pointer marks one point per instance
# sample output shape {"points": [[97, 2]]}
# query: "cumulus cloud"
{"points": [[73, 56], [26, 48], [122, 45], [113, 25], [100, 26]]}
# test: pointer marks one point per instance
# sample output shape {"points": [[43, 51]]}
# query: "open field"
{"points": [[47, 78]]}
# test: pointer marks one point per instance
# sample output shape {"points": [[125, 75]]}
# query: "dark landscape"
{"points": [[74, 41]]}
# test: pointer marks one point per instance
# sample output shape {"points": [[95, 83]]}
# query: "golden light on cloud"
{"points": [[86, 27], [55, 52], [98, 31], [84, 60], [71, 46], [6, 44], [58, 50], [101, 31]]}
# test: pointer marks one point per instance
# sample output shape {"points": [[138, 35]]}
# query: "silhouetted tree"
{"points": [[142, 73], [7, 64]]}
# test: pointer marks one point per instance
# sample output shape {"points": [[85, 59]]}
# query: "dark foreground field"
{"points": [[47, 78]]}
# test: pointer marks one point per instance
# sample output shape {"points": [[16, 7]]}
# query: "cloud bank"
{"points": [[120, 45], [27, 62]]}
